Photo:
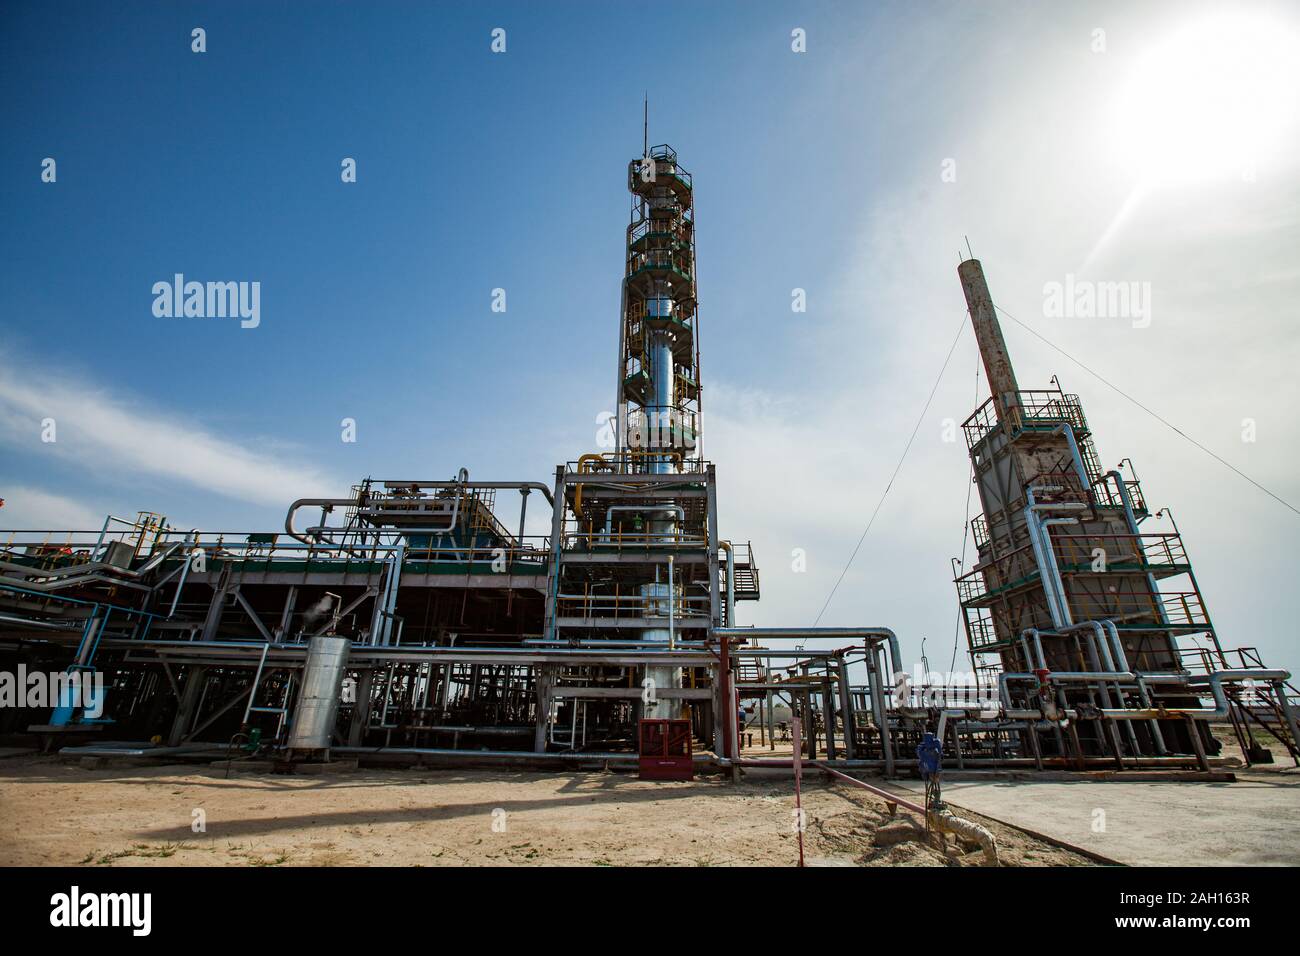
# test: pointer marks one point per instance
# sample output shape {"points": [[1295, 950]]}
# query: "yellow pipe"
{"points": [[583, 462], [599, 460]]}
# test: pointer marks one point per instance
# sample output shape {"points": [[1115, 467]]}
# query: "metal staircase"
{"points": [[745, 584]]}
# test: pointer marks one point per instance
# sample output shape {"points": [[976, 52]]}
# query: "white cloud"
{"points": [[32, 509], [97, 428]]}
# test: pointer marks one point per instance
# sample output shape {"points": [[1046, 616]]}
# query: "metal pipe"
{"points": [[830, 633], [1044, 556], [881, 711], [180, 585], [1130, 518], [1050, 554], [1074, 451], [942, 820], [731, 583], [1032, 633], [1215, 681], [98, 566]]}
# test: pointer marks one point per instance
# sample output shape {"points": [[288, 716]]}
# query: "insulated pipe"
{"points": [[1215, 682], [185, 572], [830, 633], [1044, 556], [48, 625], [346, 502], [1116, 647], [96, 566], [1050, 554], [1131, 518], [1121, 663], [332, 503], [534, 485], [881, 711], [1056, 676], [945, 821], [523, 514], [1004, 694], [601, 642], [1068, 431], [1031, 633], [731, 587], [1100, 642], [940, 820], [1035, 542], [49, 587], [672, 600], [1106, 633]]}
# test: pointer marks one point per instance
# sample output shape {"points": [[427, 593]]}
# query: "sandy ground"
{"points": [[52, 812]]}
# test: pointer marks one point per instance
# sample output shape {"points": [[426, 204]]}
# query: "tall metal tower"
{"points": [[658, 368], [658, 396]]}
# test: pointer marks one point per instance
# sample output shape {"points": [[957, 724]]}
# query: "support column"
{"points": [[720, 707], [880, 710], [828, 714], [1279, 690], [1197, 744], [286, 615], [189, 701], [846, 706], [361, 710], [545, 682], [553, 571], [213, 620]]}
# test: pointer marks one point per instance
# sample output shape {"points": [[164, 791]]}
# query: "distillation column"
{"points": [[658, 380]]}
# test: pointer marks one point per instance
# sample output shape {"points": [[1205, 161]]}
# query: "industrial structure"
{"points": [[1064, 609], [418, 619]]}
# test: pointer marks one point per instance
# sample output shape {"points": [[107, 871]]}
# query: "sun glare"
{"points": [[1211, 101]]}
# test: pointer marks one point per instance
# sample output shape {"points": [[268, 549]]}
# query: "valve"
{"points": [[1044, 686], [929, 756]]}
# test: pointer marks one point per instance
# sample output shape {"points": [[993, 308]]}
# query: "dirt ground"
{"points": [[53, 812]]}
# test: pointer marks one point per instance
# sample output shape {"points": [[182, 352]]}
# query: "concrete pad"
{"points": [[1253, 822]]}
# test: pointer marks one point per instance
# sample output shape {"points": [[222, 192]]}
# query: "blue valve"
{"points": [[929, 756]]}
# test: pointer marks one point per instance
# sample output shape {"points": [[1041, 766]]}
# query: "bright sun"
{"points": [[1213, 100]]}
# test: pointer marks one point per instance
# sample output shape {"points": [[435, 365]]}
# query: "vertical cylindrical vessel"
{"points": [[659, 382], [318, 701]]}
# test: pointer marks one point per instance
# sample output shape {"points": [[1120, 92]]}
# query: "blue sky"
{"points": [[819, 171]]}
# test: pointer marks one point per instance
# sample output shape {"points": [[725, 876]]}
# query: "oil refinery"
{"points": [[415, 620]]}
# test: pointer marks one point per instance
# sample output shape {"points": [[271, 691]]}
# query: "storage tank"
{"points": [[318, 702]]}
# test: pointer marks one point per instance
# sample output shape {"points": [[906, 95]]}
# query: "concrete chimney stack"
{"points": [[988, 333]]}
